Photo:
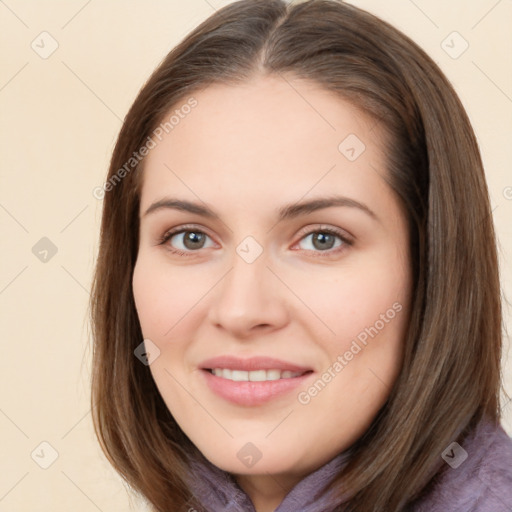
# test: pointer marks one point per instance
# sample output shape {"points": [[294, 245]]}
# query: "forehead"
{"points": [[269, 137]]}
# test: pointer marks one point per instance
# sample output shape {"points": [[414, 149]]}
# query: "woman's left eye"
{"points": [[324, 240], [187, 240]]}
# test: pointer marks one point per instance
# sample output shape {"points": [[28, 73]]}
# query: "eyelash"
{"points": [[327, 230]]}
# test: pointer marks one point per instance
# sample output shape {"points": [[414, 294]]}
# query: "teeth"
{"points": [[273, 374], [239, 375], [255, 375], [258, 376]]}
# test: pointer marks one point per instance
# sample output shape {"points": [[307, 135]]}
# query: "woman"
{"points": [[297, 223]]}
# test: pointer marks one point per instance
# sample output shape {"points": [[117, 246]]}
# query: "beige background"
{"points": [[60, 118]]}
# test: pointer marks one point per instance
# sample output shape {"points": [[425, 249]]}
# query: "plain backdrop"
{"points": [[70, 71]]}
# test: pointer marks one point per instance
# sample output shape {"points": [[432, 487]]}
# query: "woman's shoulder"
{"points": [[477, 476]]}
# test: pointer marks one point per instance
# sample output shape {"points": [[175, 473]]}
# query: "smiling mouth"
{"points": [[255, 375], [253, 381]]}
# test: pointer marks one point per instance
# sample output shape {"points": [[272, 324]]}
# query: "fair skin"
{"points": [[246, 151]]}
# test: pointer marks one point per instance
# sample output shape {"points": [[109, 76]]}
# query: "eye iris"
{"points": [[193, 240], [323, 240]]}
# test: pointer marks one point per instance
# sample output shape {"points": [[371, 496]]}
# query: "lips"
{"points": [[252, 381], [252, 363]]}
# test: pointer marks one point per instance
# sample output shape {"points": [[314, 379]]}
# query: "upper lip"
{"points": [[251, 363]]}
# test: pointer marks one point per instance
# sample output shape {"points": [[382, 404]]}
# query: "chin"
{"points": [[247, 458]]}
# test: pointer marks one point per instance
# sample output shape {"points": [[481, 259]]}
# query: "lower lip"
{"points": [[252, 393]]}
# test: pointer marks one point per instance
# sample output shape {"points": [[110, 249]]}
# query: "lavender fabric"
{"points": [[481, 483], [217, 491]]}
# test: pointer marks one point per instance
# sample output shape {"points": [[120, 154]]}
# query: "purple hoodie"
{"points": [[482, 482]]}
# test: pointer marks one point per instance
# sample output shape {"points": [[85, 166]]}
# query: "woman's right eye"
{"points": [[186, 240]]}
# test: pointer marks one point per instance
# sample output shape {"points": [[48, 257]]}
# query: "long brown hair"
{"points": [[450, 377]]}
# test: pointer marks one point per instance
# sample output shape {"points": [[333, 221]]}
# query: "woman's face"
{"points": [[276, 309]]}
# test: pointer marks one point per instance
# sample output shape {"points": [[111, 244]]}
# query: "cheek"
{"points": [[367, 308], [151, 300], [164, 297], [369, 316], [373, 293]]}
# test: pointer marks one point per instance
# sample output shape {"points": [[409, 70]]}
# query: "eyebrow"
{"points": [[284, 213]]}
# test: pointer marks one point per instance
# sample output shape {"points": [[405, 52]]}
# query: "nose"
{"points": [[249, 299]]}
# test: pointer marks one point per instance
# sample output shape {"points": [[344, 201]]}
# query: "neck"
{"points": [[266, 491]]}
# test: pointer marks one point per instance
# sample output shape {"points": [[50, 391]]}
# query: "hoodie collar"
{"points": [[217, 490]]}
